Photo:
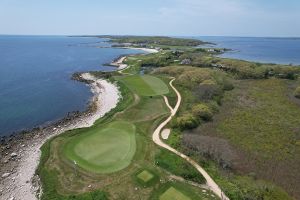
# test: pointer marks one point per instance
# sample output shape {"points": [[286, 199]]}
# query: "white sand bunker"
{"points": [[165, 133]]}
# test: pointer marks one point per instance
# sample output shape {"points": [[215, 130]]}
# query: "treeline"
{"points": [[239, 68], [157, 40]]}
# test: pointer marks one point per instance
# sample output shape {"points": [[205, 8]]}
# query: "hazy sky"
{"points": [[152, 17]]}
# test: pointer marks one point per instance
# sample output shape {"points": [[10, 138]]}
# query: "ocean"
{"points": [[35, 77], [35, 72], [259, 49]]}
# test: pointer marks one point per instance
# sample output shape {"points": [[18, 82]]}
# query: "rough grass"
{"points": [[104, 150], [146, 85], [178, 166], [261, 122]]}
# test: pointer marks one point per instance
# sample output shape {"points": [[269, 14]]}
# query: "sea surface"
{"points": [[259, 49], [35, 77]]}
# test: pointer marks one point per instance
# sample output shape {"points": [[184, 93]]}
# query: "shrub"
{"points": [[202, 111], [187, 121], [207, 90], [297, 92]]}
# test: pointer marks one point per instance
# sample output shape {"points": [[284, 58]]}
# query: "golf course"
{"points": [[106, 150], [117, 154], [146, 85]]}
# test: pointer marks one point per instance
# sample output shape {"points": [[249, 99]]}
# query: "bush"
{"points": [[207, 90], [187, 121], [297, 92], [202, 111]]}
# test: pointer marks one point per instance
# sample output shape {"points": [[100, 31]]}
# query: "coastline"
{"points": [[147, 50], [20, 158], [20, 153], [119, 62]]}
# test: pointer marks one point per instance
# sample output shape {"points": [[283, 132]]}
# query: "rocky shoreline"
{"points": [[19, 154]]}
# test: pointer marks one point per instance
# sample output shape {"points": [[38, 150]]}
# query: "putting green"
{"points": [[173, 194], [103, 150], [145, 176], [145, 85]]}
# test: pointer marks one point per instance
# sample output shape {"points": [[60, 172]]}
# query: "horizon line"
{"points": [[150, 35]]}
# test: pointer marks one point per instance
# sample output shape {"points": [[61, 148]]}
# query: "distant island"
{"points": [[178, 122]]}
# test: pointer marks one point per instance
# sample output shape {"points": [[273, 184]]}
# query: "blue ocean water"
{"points": [[35, 72], [259, 49]]}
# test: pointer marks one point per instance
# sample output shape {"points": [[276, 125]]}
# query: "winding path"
{"points": [[156, 139]]}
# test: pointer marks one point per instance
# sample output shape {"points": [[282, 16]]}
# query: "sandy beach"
{"points": [[18, 179], [120, 61], [17, 173], [147, 50]]}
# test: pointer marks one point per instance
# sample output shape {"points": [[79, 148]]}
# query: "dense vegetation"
{"points": [[158, 40]]}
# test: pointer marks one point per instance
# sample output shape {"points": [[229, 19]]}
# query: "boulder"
{"points": [[13, 155], [5, 175]]}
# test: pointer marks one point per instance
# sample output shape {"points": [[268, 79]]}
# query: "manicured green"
{"points": [[173, 194], [175, 190], [146, 85], [145, 176], [104, 150]]}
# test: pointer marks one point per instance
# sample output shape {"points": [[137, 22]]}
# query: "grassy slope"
{"points": [[104, 150]]}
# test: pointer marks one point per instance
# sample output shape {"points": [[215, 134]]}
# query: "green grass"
{"points": [[147, 109], [145, 176], [104, 150], [173, 194], [178, 166], [145, 85], [181, 191]]}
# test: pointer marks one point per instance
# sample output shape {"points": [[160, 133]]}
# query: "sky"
{"points": [[274, 18]]}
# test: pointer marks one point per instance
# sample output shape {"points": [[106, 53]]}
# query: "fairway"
{"points": [[103, 150], [173, 194], [146, 85]]}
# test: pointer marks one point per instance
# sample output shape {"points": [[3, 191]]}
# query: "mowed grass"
{"points": [[145, 176], [145, 85], [173, 194], [103, 150], [147, 109]]}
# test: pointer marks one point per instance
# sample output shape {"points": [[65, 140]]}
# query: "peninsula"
{"points": [[178, 122]]}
